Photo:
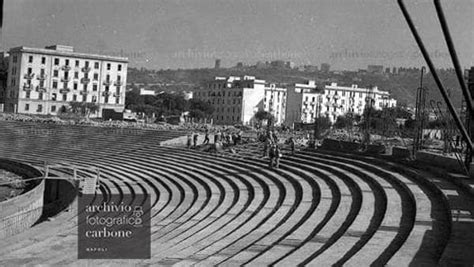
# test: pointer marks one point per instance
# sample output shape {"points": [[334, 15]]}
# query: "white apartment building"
{"points": [[237, 99], [274, 102], [45, 81], [303, 103], [339, 100], [3, 78]]}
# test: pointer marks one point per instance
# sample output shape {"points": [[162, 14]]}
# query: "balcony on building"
{"points": [[85, 80], [65, 79], [66, 68], [40, 88], [106, 93], [64, 90], [86, 69], [27, 87], [41, 77], [84, 92], [29, 76], [118, 83], [107, 82]]}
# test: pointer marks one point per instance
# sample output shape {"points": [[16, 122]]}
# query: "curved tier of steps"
{"points": [[319, 208]]}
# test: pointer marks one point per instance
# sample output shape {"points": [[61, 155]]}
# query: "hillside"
{"points": [[402, 87]]}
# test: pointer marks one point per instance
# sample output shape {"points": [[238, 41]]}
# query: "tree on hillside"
{"points": [[133, 97], [170, 104], [322, 124], [90, 108], [263, 115], [82, 108], [200, 109], [75, 107], [344, 121]]}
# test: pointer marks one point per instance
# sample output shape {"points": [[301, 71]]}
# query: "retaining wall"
{"points": [[21, 212], [438, 160], [336, 145], [400, 152]]}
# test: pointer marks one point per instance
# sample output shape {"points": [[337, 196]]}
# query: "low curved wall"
{"points": [[401, 152], [438, 160], [21, 212], [336, 145]]}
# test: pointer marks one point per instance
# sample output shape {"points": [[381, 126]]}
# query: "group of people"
{"points": [[225, 137], [228, 138], [271, 148]]}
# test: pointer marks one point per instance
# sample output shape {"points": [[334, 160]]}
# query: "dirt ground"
{"points": [[7, 191]]}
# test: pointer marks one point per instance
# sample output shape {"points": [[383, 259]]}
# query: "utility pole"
{"points": [[419, 114]]}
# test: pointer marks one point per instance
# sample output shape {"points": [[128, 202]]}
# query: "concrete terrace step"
{"points": [[230, 209]]}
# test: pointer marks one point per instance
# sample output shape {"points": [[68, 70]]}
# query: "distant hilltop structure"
{"points": [[276, 64], [376, 69], [325, 67]]}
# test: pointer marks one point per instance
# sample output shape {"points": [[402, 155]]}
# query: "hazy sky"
{"points": [[348, 34]]}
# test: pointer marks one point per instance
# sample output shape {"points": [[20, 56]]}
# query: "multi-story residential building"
{"points": [[237, 99], [3, 78], [274, 102], [303, 103], [45, 81], [339, 100]]}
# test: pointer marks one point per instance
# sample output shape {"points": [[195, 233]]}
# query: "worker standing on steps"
{"points": [[275, 155], [189, 140], [266, 145], [216, 136], [292, 145], [271, 155], [206, 138], [195, 139]]}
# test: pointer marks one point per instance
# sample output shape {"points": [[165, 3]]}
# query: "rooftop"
{"points": [[66, 51]]}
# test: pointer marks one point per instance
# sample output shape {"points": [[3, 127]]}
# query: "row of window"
{"points": [[39, 108], [64, 98], [278, 100], [28, 84], [273, 93], [221, 118], [66, 74], [210, 93], [222, 109], [265, 106], [57, 62], [218, 102], [343, 93]]}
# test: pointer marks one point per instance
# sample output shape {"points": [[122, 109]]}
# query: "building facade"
{"points": [[45, 81], [274, 102], [378, 69], [236, 100], [303, 104], [339, 100], [3, 78]]}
